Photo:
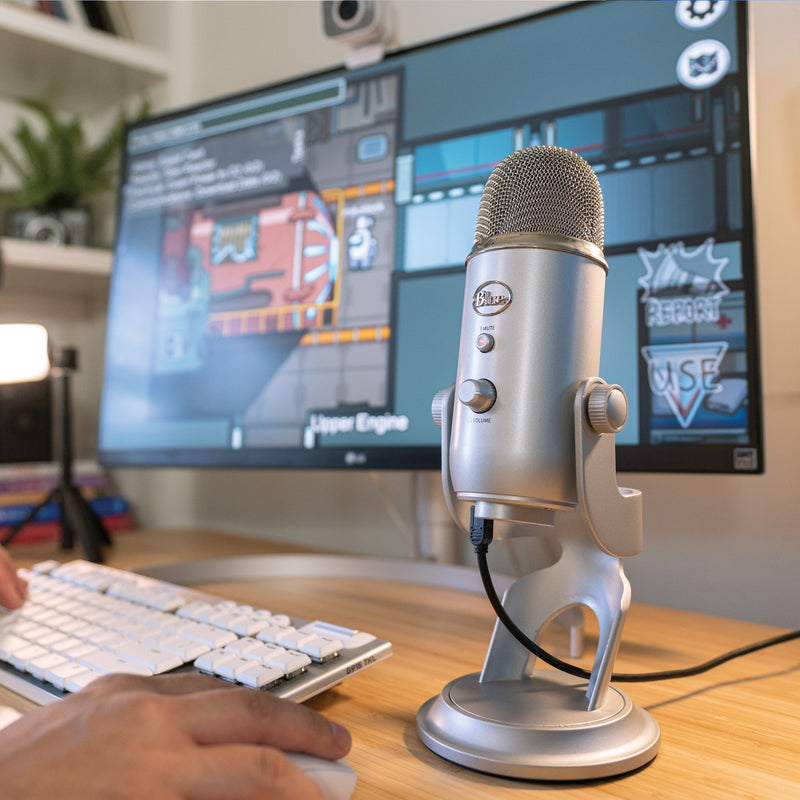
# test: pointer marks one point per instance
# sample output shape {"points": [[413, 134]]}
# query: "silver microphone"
{"points": [[530, 333], [524, 440]]}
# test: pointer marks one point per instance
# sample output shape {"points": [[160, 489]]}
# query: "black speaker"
{"points": [[26, 422]]}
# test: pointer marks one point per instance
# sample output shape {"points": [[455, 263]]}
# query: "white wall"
{"points": [[725, 545]]}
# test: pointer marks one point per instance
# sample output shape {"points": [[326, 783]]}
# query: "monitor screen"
{"points": [[289, 263]]}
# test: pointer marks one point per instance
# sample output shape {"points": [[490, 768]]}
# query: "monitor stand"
{"points": [[436, 536]]}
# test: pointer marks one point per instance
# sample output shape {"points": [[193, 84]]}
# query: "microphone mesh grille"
{"points": [[542, 189]]}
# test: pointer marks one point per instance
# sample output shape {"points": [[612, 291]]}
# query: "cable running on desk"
{"points": [[619, 677]]}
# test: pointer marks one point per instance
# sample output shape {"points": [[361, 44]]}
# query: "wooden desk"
{"points": [[731, 733]]}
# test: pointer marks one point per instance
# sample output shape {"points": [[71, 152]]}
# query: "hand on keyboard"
{"points": [[12, 586], [171, 737]]}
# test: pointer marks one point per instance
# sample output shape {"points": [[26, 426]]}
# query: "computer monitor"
{"points": [[289, 262]]}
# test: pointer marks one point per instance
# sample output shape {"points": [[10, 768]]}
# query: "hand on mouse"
{"points": [[179, 737], [12, 586]]}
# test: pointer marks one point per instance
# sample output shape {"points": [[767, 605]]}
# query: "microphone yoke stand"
{"points": [[513, 721], [78, 519]]}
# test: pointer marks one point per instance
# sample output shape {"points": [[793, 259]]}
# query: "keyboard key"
{"points": [[45, 567], [243, 646], [187, 649], [39, 666], [103, 638], [104, 662], [79, 651], [246, 625], [22, 656], [290, 662], [15, 623], [195, 610], [349, 638], [157, 661], [51, 638], [272, 633], [294, 639], [208, 634], [321, 648], [229, 667], [257, 676], [81, 680], [165, 600], [9, 644], [61, 673], [213, 659], [66, 644]]}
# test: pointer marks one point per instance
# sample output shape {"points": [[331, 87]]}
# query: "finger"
{"points": [[249, 716], [10, 595], [248, 771], [12, 586]]}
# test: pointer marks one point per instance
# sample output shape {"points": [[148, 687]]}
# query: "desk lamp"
{"points": [[25, 355]]}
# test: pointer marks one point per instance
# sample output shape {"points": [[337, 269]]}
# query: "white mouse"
{"points": [[336, 779]]}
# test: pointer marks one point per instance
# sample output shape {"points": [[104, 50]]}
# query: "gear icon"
{"points": [[697, 14], [706, 7]]}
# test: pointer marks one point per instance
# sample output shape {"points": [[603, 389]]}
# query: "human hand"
{"points": [[176, 737], [12, 586]]}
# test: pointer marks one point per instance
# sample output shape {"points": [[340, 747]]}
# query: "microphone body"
{"points": [[545, 339], [530, 333]]}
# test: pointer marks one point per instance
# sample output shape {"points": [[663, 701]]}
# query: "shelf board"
{"points": [[69, 65], [41, 267]]}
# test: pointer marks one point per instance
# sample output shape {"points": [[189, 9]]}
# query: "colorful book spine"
{"points": [[36, 496], [50, 530], [106, 505], [43, 477]]}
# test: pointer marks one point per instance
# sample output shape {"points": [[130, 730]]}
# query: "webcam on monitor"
{"points": [[365, 25]]}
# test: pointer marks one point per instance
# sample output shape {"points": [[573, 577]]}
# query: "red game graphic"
{"points": [[267, 268]]}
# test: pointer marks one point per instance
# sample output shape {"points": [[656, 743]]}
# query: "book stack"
{"points": [[24, 486]]}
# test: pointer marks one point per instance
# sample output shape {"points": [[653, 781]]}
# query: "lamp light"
{"points": [[27, 355], [23, 353]]}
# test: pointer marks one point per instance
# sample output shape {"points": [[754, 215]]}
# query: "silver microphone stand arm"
{"points": [[509, 720], [604, 528]]}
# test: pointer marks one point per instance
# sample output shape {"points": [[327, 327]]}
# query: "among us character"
{"points": [[362, 246]]}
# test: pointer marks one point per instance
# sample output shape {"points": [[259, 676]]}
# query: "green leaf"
{"points": [[57, 169]]}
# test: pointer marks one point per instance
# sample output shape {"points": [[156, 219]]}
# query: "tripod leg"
{"points": [[79, 519]]}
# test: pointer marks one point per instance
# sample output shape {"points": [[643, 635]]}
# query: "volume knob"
{"points": [[477, 393]]}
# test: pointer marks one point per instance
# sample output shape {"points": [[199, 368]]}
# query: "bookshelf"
{"points": [[81, 70], [41, 267], [72, 66]]}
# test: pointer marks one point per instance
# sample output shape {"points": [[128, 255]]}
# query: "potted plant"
{"points": [[57, 171]]}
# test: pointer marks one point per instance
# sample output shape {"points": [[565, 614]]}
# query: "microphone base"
{"points": [[537, 728]]}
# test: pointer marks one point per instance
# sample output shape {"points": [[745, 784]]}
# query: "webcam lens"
{"points": [[348, 9]]}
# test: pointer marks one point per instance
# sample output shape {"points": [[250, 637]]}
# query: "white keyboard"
{"points": [[82, 620]]}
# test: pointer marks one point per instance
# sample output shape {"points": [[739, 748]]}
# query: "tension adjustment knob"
{"points": [[607, 408], [437, 405], [477, 393]]}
